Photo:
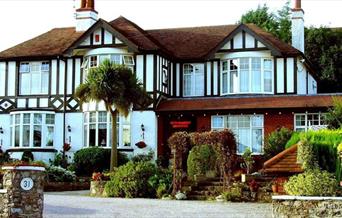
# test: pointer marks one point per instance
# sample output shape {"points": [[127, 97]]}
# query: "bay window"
{"points": [[309, 121], [248, 130], [32, 129], [193, 80], [98, 129], [34, 78], [247, 75]]}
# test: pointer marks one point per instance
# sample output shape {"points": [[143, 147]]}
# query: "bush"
{"points": [[143, 157], [306, 155], [94, 159], [325, 143], [312, 183], [161, 182], [276, 141], [131, 180], [59, 174], [234, 193], [201, 159], [27, 156], [59, 161]]}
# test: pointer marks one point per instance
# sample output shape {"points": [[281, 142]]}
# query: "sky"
{"points": [[21, 20]]}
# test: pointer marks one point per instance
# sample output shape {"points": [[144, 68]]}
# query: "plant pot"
{"points": [[274, 188]]}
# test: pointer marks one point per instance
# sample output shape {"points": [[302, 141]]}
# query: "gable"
{"points": [[101, 34], [243, 40]]}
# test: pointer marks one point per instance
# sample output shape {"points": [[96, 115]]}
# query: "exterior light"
{"points": [[1, 130], [142, 127], [69, 128]]}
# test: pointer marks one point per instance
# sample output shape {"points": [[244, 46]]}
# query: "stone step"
{"points": [[210, 183], [196, 197], [203, 193], [207, 187]]}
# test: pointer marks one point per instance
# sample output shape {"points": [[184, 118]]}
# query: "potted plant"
{"points": [[248, 159], [275, 186], [253, 186]]}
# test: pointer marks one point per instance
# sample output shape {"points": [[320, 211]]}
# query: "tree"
{"points": [[334, 116], [278, 24], [119, 89]]}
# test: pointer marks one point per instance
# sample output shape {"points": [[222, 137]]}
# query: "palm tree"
{"points": [[119, 89]]}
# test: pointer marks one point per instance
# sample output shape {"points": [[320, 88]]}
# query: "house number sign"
{"points": [[26, 184]]}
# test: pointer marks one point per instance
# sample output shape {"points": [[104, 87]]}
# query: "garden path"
{"points": [[76, 204]]}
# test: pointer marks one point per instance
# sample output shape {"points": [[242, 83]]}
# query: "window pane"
{"points": [[199, 79], [243, 139], [50, 119], [102, 116], [244, 121], [126, 135], [115, 59], [26, 119], [256, 74], [244, 75], [26, 136], [45, 66], [49, 136], [218, 122], [37, 136], [256, 140], [25, 81], [45, 82], [233, 67], [17, 136], [24, 68], [187, 85], [102, 135], [92, 134], [128, 60], [35, 83], [224, 82], [92, 117], [17, 119], [93, 61], [257, 121], [104, 57], [37, 119]]}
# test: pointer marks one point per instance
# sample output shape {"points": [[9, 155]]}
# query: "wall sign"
{"points": [[26, 184], [180, 124]]}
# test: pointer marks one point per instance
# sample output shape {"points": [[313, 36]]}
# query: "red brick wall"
{"points": [[203, 123], [273, 121]]}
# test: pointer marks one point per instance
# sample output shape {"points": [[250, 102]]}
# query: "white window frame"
{"points": [[121, 125], [27, 70], [251, 128], [237, 77], [21, 124], [193, 84], [307, 126]]}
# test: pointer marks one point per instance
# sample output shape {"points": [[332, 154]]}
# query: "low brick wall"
{"points": [[22, 194], [66, 186], [298, 206]]}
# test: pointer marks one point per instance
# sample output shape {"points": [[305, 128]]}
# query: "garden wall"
{"points": [[299, 206], [22, 194]]}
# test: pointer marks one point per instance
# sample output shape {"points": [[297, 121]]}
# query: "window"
{"points": [[34, 78], [193, 80], [247, 75], [32, 129], [248, 129], [93, 61], [310, 121], [97, 129]]}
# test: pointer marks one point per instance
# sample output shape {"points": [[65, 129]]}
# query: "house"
{"points": [[201, 78]]}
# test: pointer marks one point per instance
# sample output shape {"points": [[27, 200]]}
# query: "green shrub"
{"points": [[248, 160], [306, 155], [312, 183], [94, 159], [4, 157], [59, 174], [201, 159], [59, 161], [324, 144], [131, 180], [234, 193], [27, 156], [276, 141], [143, 157], [161, 182]]}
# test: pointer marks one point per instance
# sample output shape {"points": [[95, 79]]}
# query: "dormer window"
{"points": [[34, 78]]}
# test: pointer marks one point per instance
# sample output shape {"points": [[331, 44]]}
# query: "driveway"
{"points": [[76, 204]]}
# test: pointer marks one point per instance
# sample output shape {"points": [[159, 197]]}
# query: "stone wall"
{"points": [[298, 206], [22, 194]]}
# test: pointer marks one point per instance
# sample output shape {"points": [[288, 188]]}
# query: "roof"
{"points": [[51, 43], [133, 33], [192, 43], [246, 102], [284, 162]]}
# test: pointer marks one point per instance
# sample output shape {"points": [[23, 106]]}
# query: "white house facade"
{"points": [[200, 78]]}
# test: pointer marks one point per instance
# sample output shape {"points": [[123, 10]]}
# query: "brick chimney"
{"points": [[86, 15], [298, 26]]}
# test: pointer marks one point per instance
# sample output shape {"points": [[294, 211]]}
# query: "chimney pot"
{"points": [[298, 4]]}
